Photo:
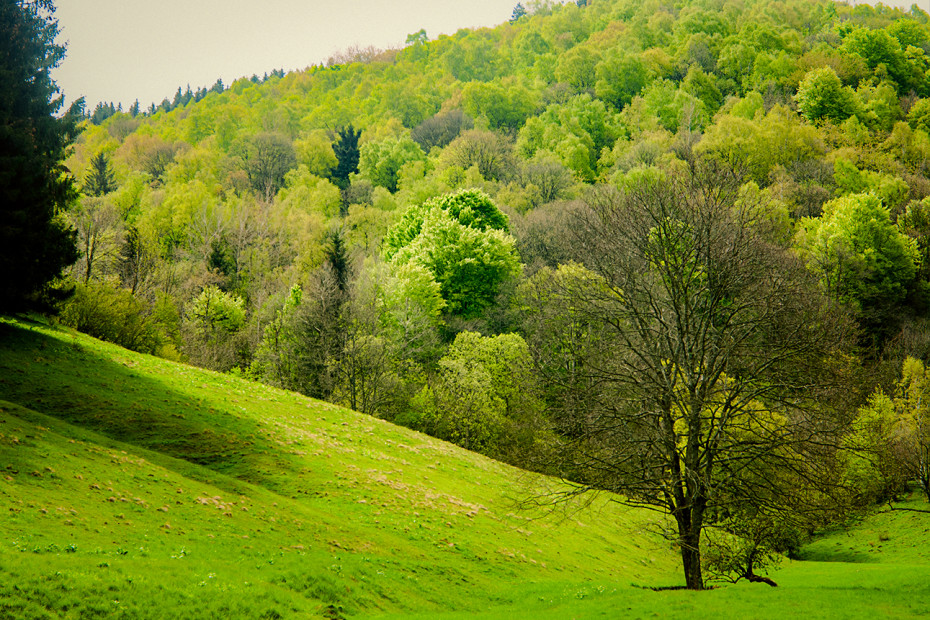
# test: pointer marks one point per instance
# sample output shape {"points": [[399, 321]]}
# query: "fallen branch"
{"points": [[890, 507]]}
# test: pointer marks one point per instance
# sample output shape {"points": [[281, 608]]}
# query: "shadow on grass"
{"points": [[72, 382], [849, 556]]}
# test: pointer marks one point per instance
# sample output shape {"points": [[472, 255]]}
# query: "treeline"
{"points": [[435, 235], [102, 111]]}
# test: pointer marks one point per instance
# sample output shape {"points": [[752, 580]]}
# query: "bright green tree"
{"points": [[380, 162], [913, 407], [619, 79], [822, 96], [461, 240], [861, 257], [485, 397]]}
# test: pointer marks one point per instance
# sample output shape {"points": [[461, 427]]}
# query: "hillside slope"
{"points": [[136, 485]]}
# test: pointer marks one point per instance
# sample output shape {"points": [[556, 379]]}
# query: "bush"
{"points": [[105, 311]]}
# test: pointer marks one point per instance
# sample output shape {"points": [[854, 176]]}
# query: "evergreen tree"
{"points": [[337, 258], [100, 180], [347, 154], [35, 242], [518, 12]]}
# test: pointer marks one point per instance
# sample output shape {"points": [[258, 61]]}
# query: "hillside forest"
{"points": [[677, 249]]}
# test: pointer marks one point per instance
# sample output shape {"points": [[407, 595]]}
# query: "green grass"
{"points": [[131, 486]]}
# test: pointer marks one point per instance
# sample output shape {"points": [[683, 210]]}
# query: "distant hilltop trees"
{"points": [[105, 110]]}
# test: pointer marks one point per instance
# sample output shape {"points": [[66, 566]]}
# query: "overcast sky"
{"points": [[120, 50]]}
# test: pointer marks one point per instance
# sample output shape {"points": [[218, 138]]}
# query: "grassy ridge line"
{"points": [[354, 513]]}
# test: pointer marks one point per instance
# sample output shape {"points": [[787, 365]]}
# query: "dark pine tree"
{"points": [[35, 187], [346, 148], [99, 181], [337, 258]]}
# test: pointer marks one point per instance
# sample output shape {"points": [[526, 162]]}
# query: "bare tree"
{"points": [[716, 359]]}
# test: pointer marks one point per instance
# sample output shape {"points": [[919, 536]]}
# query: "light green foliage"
{"points": [[884, 54], [773, 70], [412, 308], [760, 143], [736, 61], [309, 193], [860, 255], [620, 78], [504, 107], [892, 191], [576, 132], [701, 86], [529, 46], [216, 312], [315, 151], [915, 222], [878, 107], [748, 106], [484, 398], [664, 105], [484, 152], [461, 239], [104, 310], [472, 58], [913, 432], [919, 115], [874, 464], [822, 96], [380, 162], [577, 68], [470, 207], [469, 264], [172, 217]]}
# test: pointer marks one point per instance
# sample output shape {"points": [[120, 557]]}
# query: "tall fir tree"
{"points": [[35, 187], [347, 154], [100, 180]]}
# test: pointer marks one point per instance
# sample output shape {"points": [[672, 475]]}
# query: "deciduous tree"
{"points": [[715, 353]]}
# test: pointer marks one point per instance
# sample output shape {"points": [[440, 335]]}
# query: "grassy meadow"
{"points": [[135, 487]]}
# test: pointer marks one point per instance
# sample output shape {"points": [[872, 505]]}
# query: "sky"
{"points": [[121, 50]]}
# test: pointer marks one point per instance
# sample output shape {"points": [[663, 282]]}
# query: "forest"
{"points": [[675, 249]]}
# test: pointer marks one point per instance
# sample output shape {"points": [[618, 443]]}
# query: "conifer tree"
{"points": [[347, 154], [35, 242], [100, 180]]}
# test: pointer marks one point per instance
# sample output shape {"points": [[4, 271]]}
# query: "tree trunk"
{"points": [[691, 561], [689, 539]]}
